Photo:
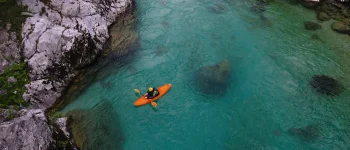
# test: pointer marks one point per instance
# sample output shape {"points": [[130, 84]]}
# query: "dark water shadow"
{"points": [[308, 133]]}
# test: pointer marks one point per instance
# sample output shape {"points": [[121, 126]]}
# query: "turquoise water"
{"points": [[272, 61]]}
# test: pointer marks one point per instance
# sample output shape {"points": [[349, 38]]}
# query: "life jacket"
{"points": [[155, 92]]}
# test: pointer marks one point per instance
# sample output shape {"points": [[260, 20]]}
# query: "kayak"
{"points": [[162, 91]]}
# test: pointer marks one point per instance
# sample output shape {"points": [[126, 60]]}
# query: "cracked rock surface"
{"points": [[61, 37], [30, 131]]}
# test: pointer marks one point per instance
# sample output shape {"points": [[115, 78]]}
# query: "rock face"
{"points": [[61, 37], [9, 49], [7, 114], [214, 79], [62, 124], [30, 131]]}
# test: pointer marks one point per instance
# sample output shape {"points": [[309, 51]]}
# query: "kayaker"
{"points": [[152, 92]]}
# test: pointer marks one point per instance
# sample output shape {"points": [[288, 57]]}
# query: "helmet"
{"points": [[150, 89]]}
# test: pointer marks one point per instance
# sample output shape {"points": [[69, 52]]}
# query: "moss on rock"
{"points": [[13, 91]]}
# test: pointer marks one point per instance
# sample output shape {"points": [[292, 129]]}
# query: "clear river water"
{"points": [[268, 102]]}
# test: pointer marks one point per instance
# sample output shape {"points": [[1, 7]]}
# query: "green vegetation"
{"points": [[56, 115], [11, 13], [14, 90], [11, 115], [53, 114], [62, 142]]}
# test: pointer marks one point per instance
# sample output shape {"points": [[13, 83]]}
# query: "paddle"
{"points": [[153, 103]]}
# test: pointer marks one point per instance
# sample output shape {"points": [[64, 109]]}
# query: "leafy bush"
{"points": [[10, 12], [14, 90]]}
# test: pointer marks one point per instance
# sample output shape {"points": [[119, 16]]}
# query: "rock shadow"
{"points": [[307, 133], [259, 8], [326, 85]]}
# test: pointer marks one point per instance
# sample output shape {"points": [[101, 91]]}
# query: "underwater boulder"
{"points": [[124, 38], [213, 79], [309, 25], [326, 85], [259, 7], [91, 128], [323, 16], [217, 8], [340, 27], [310, 132]]}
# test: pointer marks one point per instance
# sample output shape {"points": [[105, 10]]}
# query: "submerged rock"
{"points": [[123, 35], [309, 25], [323, 16], [96, 128], [265, 21], [310, 132], [217, 8], [160, 51], [326, 85], [340, 27], [213, 79], [259, 7], [316, 37]]}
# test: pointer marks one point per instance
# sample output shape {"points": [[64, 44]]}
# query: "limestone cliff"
{"points": [[59, 37]]}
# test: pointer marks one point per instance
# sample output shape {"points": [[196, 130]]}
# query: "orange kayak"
{"points": [[162, 91]]}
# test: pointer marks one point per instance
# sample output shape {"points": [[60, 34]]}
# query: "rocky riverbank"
{"points": [[58, 38], [337, 11]]}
